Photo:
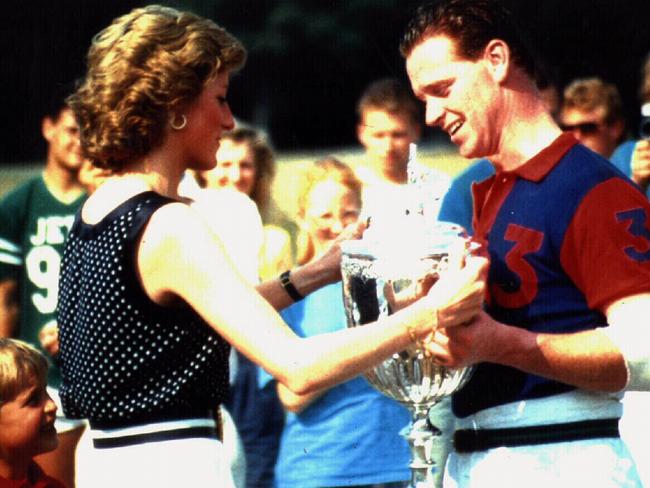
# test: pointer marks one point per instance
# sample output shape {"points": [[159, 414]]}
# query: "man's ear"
{"points": [[361, 133], [417, 129], [47, 128], [497, 56], [617, 129]]}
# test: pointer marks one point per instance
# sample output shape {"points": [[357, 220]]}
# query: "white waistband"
{"points": [[153, 427], [573, 406]]}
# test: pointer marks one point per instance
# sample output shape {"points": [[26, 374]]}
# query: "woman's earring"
{"points": [[178, 126]]}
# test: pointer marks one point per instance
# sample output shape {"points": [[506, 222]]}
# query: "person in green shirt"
{"points": [[35, 218]]}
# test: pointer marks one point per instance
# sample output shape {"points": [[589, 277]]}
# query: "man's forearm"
{"points": [[306, 279]]}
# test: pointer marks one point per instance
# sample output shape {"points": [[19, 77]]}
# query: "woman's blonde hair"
{"points": [[326, 169], [20, 365], [145, 65], [264, 165]]}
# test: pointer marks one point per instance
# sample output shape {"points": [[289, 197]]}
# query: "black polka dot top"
{"points": [[126, 360]]}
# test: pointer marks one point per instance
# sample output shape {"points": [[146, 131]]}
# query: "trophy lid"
{"points": [[407, 241]]}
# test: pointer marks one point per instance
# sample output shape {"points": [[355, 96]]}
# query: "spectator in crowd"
{"points": [[347, 435], [593, 111], [245, 166], [389, 122], [241, 232], [27, 415], [457, 204], [148, 299], [246, 163], [35, 219], [633, 157], [563, 332]]}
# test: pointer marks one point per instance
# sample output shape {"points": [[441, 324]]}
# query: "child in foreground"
{"points": [[26, 416]]}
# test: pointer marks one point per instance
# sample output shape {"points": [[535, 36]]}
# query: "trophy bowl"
{"points": [[378, 280]]}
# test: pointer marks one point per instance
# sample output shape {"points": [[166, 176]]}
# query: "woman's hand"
{"points": [[458, 294], [329, 261], [455, 299]]}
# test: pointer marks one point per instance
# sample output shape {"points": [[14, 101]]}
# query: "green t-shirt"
{"points": [[33, 229]]}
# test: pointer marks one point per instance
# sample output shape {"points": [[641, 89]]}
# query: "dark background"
{"points": [[308, 60]]}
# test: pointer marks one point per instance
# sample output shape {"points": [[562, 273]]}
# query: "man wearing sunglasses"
{"points": [[592, 110], [633, 157]]}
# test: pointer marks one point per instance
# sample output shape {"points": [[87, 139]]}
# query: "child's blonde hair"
{"points": [[326, 169], [20, 365]]}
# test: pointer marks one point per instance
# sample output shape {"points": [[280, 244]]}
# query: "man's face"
{"points": [[62, 136], [386, 136], [590, 128], [460, 96]]}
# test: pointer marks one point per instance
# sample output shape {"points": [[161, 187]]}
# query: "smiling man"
{"points": [[569, 280]]}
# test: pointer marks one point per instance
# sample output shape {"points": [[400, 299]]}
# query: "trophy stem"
{"points": [[421, 437]]}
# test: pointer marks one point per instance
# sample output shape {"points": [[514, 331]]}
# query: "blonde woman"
{"points": [[246, 163], [347, 435]]}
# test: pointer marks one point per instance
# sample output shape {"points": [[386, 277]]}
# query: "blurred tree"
{"points": [[308, 59]]}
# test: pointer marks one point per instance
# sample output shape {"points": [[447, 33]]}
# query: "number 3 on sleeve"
{"points": [[637, 227]]}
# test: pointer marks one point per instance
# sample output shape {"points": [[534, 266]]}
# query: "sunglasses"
{"points": [[584, 127]]}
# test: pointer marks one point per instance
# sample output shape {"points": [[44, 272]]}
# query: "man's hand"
{"points": [[466, 344], [641, 164]]}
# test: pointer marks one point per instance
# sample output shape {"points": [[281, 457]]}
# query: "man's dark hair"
{"points": [[390, 95], [56, 99], [472, 24]]}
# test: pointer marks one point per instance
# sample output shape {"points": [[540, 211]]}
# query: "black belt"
{"points": [[165, 435], [468, 440]]}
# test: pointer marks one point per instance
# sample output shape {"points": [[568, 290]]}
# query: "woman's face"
{"points": [[235, 168], [208, 117], [330, 207]]}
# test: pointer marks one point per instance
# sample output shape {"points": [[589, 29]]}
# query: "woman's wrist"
{"points": [[421, 324]]}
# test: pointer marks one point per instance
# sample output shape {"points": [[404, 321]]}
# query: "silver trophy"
{"points": [[386, 270]]}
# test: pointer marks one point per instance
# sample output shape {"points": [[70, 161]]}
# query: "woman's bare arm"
{"points": [[180, 257]]}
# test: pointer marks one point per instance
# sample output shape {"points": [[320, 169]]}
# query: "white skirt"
{"points": [[195, 462]]}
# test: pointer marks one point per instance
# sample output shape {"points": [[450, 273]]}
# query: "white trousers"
{"points": [[593, 463]]}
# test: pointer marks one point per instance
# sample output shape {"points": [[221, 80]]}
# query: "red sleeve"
{"points": [[42, 480], [606, 249]]}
